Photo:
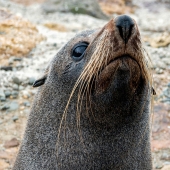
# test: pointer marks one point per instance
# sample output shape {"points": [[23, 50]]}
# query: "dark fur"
{"points": [[114, 125]]}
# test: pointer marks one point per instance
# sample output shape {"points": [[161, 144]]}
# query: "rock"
{"points": [[4, 107], [166, 95], [166, 167], [168, 85], [17, 59], [12, 143], [13, 106], [161, 64], [28, 2], [7, 93], [19, 66], [16, 80], [55, 45], [1, 92], [158, 39], [3, 164], [3, 99], [31, 81], [15, 118], [20, 44], [6, 68], [116, 6], [5, 155], [166, 163], [15, 87], [55, 26], [21, 87], [25, 94], [14, 94], [22, 107], [159, 70], [27, 103], [12, 59], [165, 156], [87, 7], [2, 95], [159, 166], [166, 60]]}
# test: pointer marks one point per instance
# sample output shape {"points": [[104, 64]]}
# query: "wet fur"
{"points": [[76, 124]]}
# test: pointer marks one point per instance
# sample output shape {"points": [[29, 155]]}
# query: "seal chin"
{"points": [[120, 74]]}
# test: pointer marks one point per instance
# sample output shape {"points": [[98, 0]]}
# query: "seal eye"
{"points": [[78, 51]]}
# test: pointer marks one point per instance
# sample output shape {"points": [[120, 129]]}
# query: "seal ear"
{"points": [[40, 81], [153, 91]]}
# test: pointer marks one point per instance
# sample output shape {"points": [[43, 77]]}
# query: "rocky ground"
{"points": [[18, 72]]}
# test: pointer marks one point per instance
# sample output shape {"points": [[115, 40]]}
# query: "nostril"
{"points": [[120, 31], [129, 32], [125, 25]]}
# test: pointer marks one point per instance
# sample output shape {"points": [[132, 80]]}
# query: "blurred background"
{"points": [[32, 31]]}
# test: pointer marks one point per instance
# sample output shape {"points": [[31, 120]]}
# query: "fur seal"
{"points": [[92, 109]]}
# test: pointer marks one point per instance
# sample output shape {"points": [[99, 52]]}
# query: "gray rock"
{"points": [[3, 99], [2, 95], [15, 87], [12, 59], [87, 7], [159, 70], [6, 68], [1, 92], [165, 156], [4, 107], [169, 85], [17, 59], [21, 87], [161, 65], [16, 80], [13, 106], [19, 66], [166, 93], [167, 163], [7, 93], [25, 82], [27, 103], [15, 94], [55, 44], [159, 166], [25, 94], [166, 61], [31, 81], [15, 118]]}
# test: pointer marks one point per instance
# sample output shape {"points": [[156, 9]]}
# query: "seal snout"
{"points": [[125, 25]]}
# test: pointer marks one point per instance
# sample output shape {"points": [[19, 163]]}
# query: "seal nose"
{"points": [[125, 25]]}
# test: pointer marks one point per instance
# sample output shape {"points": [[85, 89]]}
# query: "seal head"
{"points": [[92, 107]]}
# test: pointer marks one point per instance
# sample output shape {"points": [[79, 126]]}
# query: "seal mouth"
{"points": [[118, 58], [123, 56], [125, 65]]}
